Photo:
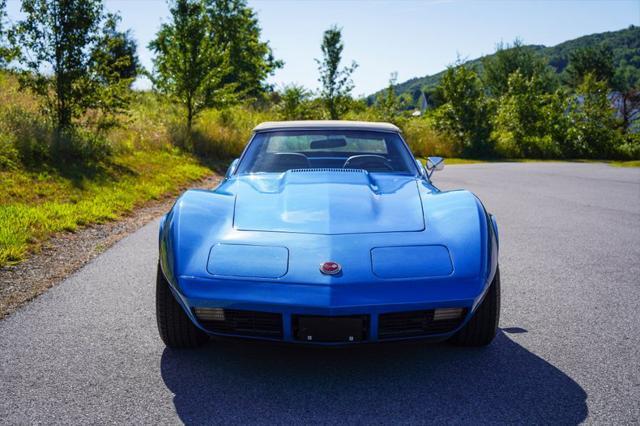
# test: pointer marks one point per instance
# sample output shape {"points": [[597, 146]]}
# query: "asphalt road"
{"points": [[568, 352]]}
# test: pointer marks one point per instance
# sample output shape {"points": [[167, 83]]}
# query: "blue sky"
{"points": [[411, 37]]}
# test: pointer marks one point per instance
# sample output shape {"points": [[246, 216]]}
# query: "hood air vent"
{"points": [[328, 169]]}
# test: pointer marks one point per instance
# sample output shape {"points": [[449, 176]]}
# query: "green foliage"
{"points": [[387, 103], [336, 82], [295, 103], [465, 114], [625, 45], [115, 65], [115, 57], [594, 60], [7, 52], [235, 29], [524, 117], [509, 59], [189, 66], [66, 37], [592, 133]]}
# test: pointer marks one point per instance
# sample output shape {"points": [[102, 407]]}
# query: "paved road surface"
{"points": [[569, 349]]}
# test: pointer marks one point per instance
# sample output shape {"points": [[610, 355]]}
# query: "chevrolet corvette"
{"points": [[328, 233]]}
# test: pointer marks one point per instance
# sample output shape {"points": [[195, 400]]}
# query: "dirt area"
{"points": [[65, 253]]}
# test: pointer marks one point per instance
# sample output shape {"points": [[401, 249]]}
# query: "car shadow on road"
{"points": [[245, 382]]}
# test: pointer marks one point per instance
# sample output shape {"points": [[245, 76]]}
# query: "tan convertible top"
{"points": [[324, 125]]}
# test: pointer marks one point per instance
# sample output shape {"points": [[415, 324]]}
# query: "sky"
{"points": [[411, 37]]}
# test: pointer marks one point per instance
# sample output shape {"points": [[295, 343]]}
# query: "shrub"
{"points": [[9, 156]]}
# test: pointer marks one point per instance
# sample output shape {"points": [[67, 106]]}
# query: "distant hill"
{"points": [[624, 43]]}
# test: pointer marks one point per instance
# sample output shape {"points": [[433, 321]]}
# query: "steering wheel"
{"points": [[366, 161]]}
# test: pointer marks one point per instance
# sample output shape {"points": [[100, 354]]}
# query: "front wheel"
{"points": [[482, 327], [176, 329]]}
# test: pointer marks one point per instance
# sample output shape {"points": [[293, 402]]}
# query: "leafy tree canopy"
{"points": [[235, 28], [511, 58], [594, 60], [6, 52]]}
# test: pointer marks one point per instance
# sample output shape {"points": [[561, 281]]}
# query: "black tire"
{"points": [[482, 327], [176, 329]]}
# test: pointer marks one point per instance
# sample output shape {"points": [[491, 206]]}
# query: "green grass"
{"points": [[452, 161], [37, 204], [634, 163]]}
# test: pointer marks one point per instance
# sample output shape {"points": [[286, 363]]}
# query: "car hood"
{"points": [[328, 202]]}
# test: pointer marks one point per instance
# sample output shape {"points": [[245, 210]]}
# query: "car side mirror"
{"points": [[433, 164], [232, 167], [421, 168]]}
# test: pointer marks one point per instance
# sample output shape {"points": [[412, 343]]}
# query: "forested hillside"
{"points": [[625, 45]]}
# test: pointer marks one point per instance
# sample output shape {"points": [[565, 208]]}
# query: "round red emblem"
{"points": [[330, 268]]}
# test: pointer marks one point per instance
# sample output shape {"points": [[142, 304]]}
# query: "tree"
{"points": [[294, 103], [511, 58], [465, 114], [387, 102], [593, 124], [336, 82], [63, 36], [189, 66], [526, 120], [594, 60], [235, 29]]}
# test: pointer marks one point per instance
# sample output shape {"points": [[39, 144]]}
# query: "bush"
{"points": [[593, 125], [9, 156], [32, 136], [630, 148], [425, 141]]}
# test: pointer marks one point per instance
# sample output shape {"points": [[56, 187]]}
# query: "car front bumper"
{"points": [[330, 314]]}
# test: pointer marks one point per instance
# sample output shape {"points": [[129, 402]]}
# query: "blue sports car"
{"points": [[328, 232]]}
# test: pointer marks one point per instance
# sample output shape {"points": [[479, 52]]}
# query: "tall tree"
{"points": [[58, 39], [336, 81], [189, 66], [511, 58], [235, 29], [594, 60], [387, 102], [465, 114]]}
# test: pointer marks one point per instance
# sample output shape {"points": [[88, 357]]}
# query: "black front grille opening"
{"points": [[240, 322], [420, 323], [330, 329]]}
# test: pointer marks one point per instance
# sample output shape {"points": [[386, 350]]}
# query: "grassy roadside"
{"points": [[36, 204], [634, 163], [454, 161]]}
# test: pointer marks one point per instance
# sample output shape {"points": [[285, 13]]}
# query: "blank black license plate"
{"points": [[330, 329]]}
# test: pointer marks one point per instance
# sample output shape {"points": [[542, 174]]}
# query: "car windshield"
{"points": [[279, 151]]}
